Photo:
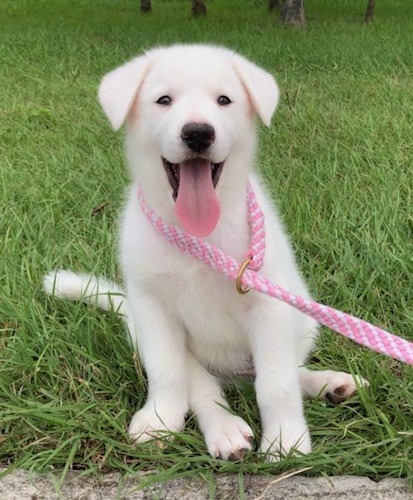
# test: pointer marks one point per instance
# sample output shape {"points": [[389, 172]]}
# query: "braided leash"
{"points": [[246, 275]]}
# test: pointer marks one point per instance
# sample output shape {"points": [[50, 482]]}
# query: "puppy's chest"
{"points": [[206, 302], [187, 285], [202, 288]]}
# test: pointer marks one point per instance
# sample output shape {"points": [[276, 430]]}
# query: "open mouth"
{"points": [[193, 184], [173, 174]]}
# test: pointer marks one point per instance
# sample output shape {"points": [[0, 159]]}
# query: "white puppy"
{"points": [[190, 135]]}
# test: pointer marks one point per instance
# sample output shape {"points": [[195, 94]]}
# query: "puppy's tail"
{"points": [[96, 291]]}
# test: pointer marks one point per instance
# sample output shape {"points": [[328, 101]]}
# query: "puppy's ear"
{"points": [[260, 86], [118, 90]]}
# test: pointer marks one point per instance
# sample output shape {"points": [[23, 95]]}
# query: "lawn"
{"points": [[338, 160]]}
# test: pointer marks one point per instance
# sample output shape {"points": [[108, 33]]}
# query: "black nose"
{"points": [[198, 136]]}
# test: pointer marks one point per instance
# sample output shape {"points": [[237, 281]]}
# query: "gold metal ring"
{"points": [[242, 268]]}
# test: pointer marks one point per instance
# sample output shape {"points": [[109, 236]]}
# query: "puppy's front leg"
{"points": [[274, 345], [161, 341], [227, 436]]}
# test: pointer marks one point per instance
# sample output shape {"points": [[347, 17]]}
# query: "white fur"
{"points": [[186, 320], [71, 286]]}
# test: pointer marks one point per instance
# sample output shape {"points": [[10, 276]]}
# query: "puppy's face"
{"points": [[190, 113], [192, 89]]}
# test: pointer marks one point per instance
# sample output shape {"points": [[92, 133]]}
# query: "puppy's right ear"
{"points": [[118, 89], [260, 86]]}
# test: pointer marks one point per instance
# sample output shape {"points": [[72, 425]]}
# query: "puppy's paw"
{"points": [[228, 437], [148, 424], [277, 445], [341, 386]]}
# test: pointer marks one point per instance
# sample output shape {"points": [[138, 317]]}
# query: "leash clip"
{"points": [[238, 279]]}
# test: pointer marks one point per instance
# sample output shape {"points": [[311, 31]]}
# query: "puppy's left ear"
{"points": [[118, 89], [260, 86]]}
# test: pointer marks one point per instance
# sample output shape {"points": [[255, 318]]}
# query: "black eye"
{"points": [[165, 100], [223, 100]]}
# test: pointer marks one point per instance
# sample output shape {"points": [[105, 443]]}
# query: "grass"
{"points": [[338, 159]]}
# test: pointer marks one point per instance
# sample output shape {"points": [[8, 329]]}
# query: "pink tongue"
{"points": [[197, 206]]}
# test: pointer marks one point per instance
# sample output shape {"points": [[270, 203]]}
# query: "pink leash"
{"points": [[246, 275]]}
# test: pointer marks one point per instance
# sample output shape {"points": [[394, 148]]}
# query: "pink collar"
{"points": [[246, 275]]}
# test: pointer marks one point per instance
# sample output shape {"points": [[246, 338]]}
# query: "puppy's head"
{"points": [[190, 113]]}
